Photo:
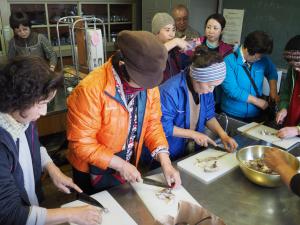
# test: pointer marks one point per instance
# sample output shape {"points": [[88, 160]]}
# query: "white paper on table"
{"points": [[256, 132], [158, 208], [116, 214], [226, 163]]}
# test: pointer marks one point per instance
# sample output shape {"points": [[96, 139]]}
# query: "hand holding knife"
{"points": [[88, 199]]}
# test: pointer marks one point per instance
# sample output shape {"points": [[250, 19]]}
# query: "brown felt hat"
{"points": [[144, 56]]}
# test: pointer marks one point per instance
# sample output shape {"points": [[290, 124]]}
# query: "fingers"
{"points": [[73, 185], [173, 180], [130, 173], [209, 140]]}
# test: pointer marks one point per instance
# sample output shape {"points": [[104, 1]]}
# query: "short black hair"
{"points": [[19, 18], [218, 17], [25, 81], [258, 42], [293, 44], [203, 57]]}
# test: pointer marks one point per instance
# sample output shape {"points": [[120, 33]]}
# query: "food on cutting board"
{"points": [[166, 194]]}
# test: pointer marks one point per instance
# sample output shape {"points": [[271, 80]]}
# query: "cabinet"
{"points": [[117, 16]]}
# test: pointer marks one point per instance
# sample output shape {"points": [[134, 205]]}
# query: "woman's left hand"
{"points": [[172, 175], [287, 132], [60, 180], [229, 143]]}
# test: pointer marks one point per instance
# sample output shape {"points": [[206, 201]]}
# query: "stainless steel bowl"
{"points": [[260, 178]]}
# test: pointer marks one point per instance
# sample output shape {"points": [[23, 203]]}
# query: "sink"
{"points": [[230, 127]]}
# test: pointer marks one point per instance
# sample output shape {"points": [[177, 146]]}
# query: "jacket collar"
{"points": [[14, 128]]}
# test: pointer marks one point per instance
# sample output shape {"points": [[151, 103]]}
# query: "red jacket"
{"points": [[97, 122], [224, 49]]}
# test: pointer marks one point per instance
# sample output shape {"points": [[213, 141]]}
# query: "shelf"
{"points": [[117, 16], [35, 12], [120, 23]]}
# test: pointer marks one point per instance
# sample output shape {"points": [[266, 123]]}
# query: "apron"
{"points": [[104, 179]]}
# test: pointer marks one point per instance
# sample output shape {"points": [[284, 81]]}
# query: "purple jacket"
{"points": [[224, 49]]}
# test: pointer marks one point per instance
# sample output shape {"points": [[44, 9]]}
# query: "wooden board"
{"points": [[225, 164], [158, 208], [116, 214], [256, 132]]}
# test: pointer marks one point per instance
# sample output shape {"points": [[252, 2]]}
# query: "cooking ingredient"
{"points": [[166, 194], [259, 165]]}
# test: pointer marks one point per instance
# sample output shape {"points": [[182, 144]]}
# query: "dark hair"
{"points": [[120, 69], [19, 18], [218, 17], [180, 7], [25, 81], [258, 42], [203, 57], [293, 44]]}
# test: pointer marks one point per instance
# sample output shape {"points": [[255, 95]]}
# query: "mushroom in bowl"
{"points": [[252, 165]]}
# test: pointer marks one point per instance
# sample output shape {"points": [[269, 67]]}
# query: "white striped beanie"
{"points": [[216, 71]]}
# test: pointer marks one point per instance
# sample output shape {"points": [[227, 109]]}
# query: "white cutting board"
{"points": [[225, 164], [158, 208], [116, 214], [256, 133]]}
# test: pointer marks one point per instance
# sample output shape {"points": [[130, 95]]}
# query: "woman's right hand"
{"points": [[130, 173], [202, 139], [127, 171], [182, 43], [261, 103], [280, 116], [86, 215]]}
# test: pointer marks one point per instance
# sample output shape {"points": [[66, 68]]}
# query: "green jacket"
{"points": [[287, 89]]}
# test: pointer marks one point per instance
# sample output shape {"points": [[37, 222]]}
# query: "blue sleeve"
{"points": [[271, 71], [230, 85], [210, 107], [168, 108], [12, 208]]}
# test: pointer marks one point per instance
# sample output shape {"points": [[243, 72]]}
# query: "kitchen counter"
{"points": [[232, 197]]}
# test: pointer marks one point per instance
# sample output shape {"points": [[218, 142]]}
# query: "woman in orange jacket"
{"points": [[114, 111]]}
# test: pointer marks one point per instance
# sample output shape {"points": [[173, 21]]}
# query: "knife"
{"points": [[217, 147], [150, 181], [88, 199]]}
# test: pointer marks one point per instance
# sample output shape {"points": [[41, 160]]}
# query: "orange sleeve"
{"points": [[83, 124]]}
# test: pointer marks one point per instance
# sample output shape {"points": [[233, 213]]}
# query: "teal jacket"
{"points": [[237, 87]]}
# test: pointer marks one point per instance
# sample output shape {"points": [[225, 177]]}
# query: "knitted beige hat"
{"points": [[161, 20]]}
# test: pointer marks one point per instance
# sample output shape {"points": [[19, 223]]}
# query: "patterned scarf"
{"points": [[129, 90], [292, 55], [8, 123]]}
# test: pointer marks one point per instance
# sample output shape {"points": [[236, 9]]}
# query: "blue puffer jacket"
{"points": [[176, 111], [237, 87], [14, 203]]}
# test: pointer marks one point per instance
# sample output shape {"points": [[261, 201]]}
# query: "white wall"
{"points": [[199, 11]]}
